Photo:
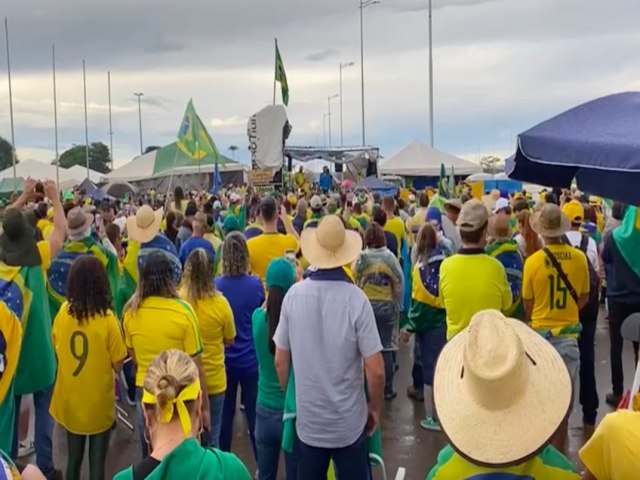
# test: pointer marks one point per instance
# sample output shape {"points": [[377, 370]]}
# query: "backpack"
{"points": [[594, 278]]}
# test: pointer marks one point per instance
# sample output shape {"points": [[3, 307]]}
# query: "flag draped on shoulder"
{"points": [[193, 138], [281, 77]]}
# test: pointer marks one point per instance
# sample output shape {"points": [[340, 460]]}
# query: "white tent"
{"points": [[420, 160], [69, 177]]}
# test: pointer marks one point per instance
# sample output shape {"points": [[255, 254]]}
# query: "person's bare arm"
{"points": [[587, 475], [27, 193], [374, 370], [283, 363], [206, 415], [528, 309], [117, 367], [59, 233], [583, 300], [288, 226]]}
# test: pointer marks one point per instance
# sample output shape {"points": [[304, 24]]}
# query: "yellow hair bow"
{"points": [[190, 392]]}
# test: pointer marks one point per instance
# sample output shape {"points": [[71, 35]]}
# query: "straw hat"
{"points": [[330, 245], [78, 220], [501, 390], [549, 221], [145, 225]]}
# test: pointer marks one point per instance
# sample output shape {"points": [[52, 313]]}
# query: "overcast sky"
{"points": [[500, 67]]}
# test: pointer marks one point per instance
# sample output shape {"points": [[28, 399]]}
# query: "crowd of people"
{"points": [[294, 306]]}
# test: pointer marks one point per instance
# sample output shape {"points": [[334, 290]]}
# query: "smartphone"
{"points": [[290, 256]]}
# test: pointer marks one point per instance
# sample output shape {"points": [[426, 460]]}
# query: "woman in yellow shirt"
{"points": [[89, 346], [217, 329]]}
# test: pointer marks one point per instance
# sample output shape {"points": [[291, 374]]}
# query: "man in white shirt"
{"points": [[574, 210]]}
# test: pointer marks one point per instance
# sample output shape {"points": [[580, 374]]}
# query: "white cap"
{"points": [[217, 205], [234, 197], [501, 203]]}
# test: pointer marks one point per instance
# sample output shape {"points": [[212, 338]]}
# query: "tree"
{"points": [[233, 150], [151, 148], [99, 159], [6, 157], [492, 164]]}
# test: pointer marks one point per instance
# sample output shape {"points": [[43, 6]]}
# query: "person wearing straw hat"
{"points": [[144, 237], [471, 280], [555, 288], [327, 332], [501, 391]]}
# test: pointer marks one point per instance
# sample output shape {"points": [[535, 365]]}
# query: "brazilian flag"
{"points": [[443, 184], [281, 77], [23, 291], [10, 345], [59, 271], [193, 138]]}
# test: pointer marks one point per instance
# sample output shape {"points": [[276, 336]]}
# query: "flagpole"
{"points": [[13, 139], [86, 121], [430, 75], [274, 75], [55, 114], [110, 120]]}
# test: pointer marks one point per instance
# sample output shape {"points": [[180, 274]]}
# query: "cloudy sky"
{"points": [[500, 67]]}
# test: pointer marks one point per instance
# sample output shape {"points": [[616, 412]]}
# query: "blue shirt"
{"points": [[194, 243], [244, 293], [325, 182]]}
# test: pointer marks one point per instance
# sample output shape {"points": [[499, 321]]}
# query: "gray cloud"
{"points": [[322, 55], [165, 46]]}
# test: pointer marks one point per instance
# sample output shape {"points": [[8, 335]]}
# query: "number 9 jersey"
{"points": [[84, 393]]}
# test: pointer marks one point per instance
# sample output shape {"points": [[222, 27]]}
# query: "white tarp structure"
{"points": [[267, 130], [69, 177], [420, 160]]}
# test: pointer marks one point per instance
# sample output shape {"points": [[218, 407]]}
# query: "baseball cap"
{"points": [[315, 203], [501, 204], [234, 197], [473, 216], [217, 205], [574, 211]]}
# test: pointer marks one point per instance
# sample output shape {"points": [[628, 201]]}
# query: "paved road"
{"points": [[404, 442]]}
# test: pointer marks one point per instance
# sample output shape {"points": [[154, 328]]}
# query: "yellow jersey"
{"points": [[395, 226], [84, 394], [267, 247], [553, 307], [160, 324], [215, 319]]}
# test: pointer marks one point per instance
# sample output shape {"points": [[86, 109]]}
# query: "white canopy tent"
{"points": [[69, 177], [420, 160]]}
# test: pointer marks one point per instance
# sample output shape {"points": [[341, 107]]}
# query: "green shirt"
{"points": [[270, 395]]}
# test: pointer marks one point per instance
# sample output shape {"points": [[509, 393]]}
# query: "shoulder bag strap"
{"points": [[562, 275]]}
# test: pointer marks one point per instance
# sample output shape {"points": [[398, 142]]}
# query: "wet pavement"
{"points": [[405, 444]]}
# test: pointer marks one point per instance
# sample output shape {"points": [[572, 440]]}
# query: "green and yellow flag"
{"points": [[443, 185], [281, 77], [193, 138]]}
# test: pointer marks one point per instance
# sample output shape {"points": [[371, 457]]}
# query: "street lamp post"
{"points": [[329, 98], [342, 67], [324, 129], [430, 76], [140, 95], [363, 4]]}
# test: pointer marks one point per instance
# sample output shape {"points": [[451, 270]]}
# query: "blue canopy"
{"points": [[598, 143], [374, 184]]}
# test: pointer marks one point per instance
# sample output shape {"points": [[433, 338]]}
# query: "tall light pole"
{"points": [[342, 67], [430, 76], [363, 4], [110, 120], [13, 136], [324, 129], [140, 95], [329, 98], [55, 115], [86, 122]]}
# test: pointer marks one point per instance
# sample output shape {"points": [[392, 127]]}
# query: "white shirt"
{"points": [[575, 238]]}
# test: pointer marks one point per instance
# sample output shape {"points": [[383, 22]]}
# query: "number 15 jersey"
{"points": [[553, 306], [84, 394]]}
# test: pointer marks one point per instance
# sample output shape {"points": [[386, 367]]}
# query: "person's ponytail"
{"points": [[275, 296]]}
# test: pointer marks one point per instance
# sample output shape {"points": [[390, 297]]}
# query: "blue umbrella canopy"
{"points": [[598, 143]]}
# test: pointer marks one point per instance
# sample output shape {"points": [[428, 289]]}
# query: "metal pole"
{"points": [[110, 120], [13, 138], [274, 73], [430, 76], [139, 95], [86, 122], [341, 129], [324, 129], [362, 69], [55, 115], [329, 119]]}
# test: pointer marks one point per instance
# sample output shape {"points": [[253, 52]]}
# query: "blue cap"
{"points": [[434, 216]]}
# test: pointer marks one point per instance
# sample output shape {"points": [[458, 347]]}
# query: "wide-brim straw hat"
{"points": [[501, 390], [145, 225], [550, 222], [78, 220], [330, 245]]}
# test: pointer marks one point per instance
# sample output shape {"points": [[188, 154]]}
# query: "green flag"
{"points": [[452, 182], [443, 187], [193, 138], [281, 77]]}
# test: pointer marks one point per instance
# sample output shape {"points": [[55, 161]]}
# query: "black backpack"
{"points": [[594, 278]]}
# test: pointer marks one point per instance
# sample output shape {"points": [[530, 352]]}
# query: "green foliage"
{"points": [[6, 158], [98, 157]]}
